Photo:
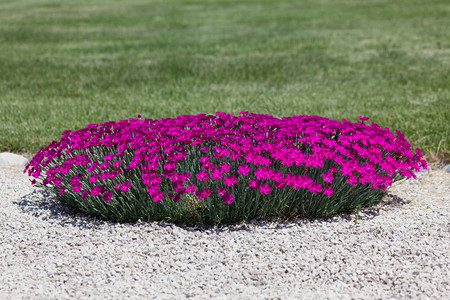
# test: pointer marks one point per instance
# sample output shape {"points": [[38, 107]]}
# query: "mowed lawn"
{"points": [[64, 64]]}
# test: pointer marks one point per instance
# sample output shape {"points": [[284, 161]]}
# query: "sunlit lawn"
{"points": [[64, 64]]}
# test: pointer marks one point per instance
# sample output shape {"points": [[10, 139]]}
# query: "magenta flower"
{"points": [[327, 176], [62, 189], [243, 169], [104, 175], [157, 196], [208, 165], [109, 156], [264, 189], [253, 183], [202, 175], [191, 188], [221, 191], [93, 178], [216, 174], [170, 166], [117, 163], [363, 118], [351, 179], [327, 190], [97, 190], [177, 198], [225, 167], [92, 167], [177, 186], [84, 194], [203, 193], [279, 184], [315, 188], [57, 181], [107, 195], [125, 186], [104, 165], [65, 168], [230, 180], [227, 199], [204, 159]]}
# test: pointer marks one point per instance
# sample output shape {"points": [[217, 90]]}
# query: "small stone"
{"points": [[446, 168], [11, 159]]}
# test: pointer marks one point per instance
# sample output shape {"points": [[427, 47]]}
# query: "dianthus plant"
{"points": [[223, 168]]}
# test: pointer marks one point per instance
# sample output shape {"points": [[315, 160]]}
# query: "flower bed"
{"points": [[212, 169]]}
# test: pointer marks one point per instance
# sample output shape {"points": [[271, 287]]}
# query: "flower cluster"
{"points": [[209, 155]]}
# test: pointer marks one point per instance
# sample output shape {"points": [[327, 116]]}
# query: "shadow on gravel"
{"points": [[43, 204]]}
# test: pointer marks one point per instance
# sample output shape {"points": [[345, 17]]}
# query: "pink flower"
{"points": [[315, 188], [57, 181], [157, 196], [151, 189], [203, 193], [125, 186], [109, 156], [332, 169], [225, 167], [62, 189], [253, 183], [204, 159], [107, 195], [84, 194], [363, 118], [230, 180], [243, 169], [177, 198], [264, 189], [327, 176], [208, 165], [97, 190], [117, 164], [351, 179], [191, 188], [279, 184], [221, 191], [170, 166], [203, 175], [177, 186], [93, 178], [327, 190], [104, 165], [216, 174], [65, 168], [227, 199], [93, 166]]}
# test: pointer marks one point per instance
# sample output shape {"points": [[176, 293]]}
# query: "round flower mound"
{"points": [[213, 169]]}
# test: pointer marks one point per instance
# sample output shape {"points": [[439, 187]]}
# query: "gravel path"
{"points": [[398, 250]]}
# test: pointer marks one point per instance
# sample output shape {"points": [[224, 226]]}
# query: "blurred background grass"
{"points": [[64, 64]]}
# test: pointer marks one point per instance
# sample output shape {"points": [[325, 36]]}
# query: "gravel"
{"points": [[396, 250]]}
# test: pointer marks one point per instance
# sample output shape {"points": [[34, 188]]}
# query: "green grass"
{"points": [[64, 64]]}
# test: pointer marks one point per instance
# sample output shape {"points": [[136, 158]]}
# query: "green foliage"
{"points": [[287, 203]]}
